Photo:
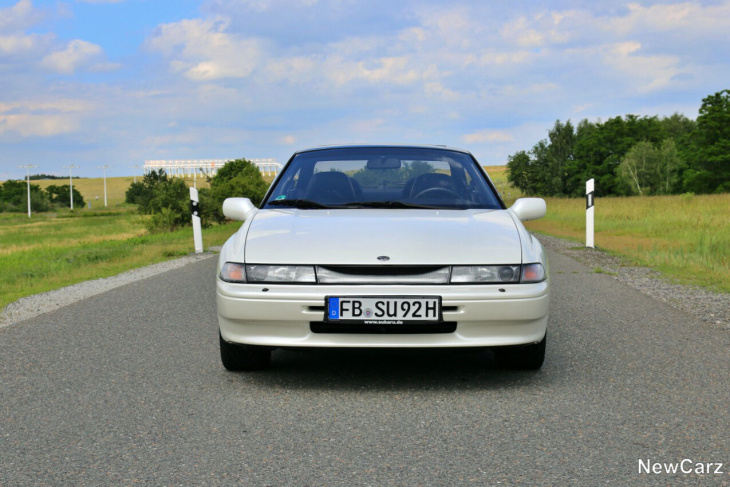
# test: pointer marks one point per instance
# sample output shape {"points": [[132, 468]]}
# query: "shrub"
{"points": [[166, 199], [14, 197], [61, 196], [239, 178]]}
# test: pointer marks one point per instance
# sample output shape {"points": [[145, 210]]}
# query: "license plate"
{"points": [[396, 310]]}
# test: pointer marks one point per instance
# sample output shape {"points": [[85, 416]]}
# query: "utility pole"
{"points": [[134, 171], [70, 182], [104, 167], [28, 167]]}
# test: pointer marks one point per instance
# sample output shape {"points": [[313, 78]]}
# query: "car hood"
{"points": [[360, 236]]}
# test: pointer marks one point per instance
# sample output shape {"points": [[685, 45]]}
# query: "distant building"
{"points": [[207, 167]]}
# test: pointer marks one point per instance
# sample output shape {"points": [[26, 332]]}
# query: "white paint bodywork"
{"points": [[359, 236], [486, 315]]}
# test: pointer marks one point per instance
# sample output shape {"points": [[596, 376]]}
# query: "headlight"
{"points": [[280, 273], [533, 273], [485, 274], [235, 272]]}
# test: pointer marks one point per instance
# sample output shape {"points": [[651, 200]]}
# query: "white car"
{"points": [[382, 246]]}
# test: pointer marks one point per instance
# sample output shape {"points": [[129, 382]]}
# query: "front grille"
{"points": [[383, 274], [347, 328]]}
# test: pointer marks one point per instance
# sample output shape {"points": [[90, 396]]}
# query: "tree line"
{"points": [[631, 155], [14, 197], [167, 199]]}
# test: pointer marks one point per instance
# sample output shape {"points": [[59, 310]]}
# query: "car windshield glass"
{"points": [[383, 177]]}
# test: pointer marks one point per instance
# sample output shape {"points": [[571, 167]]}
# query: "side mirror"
{"points": [[529, 208], [237, 208]]}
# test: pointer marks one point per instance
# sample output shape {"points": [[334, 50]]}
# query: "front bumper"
{"points": [[281, 315]]}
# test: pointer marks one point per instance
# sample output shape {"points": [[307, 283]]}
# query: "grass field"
{"points": [[685, 237], [51, 251], [498, 174]]}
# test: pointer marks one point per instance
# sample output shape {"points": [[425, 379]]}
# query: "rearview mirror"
{"points": [[529, 208], [237, 208], [384, 163]]}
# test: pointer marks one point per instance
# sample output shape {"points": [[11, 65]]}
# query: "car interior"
{"points": [[346, 182]]}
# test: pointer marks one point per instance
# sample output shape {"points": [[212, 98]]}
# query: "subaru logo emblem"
{"points": [[383, 258]]}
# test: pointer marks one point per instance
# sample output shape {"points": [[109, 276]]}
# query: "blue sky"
{"points": [[118, 82]]}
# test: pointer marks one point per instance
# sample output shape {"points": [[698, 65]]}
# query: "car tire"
{"points": [[237, 358], [522, 357]]}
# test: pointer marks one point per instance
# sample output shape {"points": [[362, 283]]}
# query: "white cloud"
{"points": [[625, 63], [363, 127], [76, 54], [259, 6], [203, 51], [42, 118], [28, 125], [684, 18], [19, 16], [288, 140], [522, 35], [453, 27], [60, 105], [483, 136], [186, 138], [14, 41], [383, 70], [15, 44]]}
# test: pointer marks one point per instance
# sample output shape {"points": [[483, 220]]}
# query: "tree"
{"points": [[559, 155], [650, 170], [61, 195], [14, 196], [631, 155], [519, 172], [239, 178], [394, 176], [710, 155], [165, 198], [141, 193]]}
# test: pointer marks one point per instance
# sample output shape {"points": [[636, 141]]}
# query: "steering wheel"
{"points": [[439, 193]]}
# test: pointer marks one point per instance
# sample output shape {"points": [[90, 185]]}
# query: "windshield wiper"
{"points": [[386, 204], [298, 203]]}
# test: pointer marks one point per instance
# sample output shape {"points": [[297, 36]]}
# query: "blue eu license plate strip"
{"points": [[384, 309], [333, 309]]}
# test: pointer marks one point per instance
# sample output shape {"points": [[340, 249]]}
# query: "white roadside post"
{"points": [[589, 214], [195, 211]]}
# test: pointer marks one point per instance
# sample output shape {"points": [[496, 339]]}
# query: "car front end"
{"points": [[382, 273]]}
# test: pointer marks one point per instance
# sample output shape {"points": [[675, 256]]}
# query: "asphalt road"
{"points": [[126, 387]]}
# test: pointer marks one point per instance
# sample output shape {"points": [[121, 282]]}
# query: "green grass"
{"points": [[48, 252], [56, 249], [687, 238]]}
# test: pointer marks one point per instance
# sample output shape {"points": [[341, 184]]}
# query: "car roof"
{"points": [[384, 146]]}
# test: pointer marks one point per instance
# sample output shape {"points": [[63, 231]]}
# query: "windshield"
{"points": [[382, 177]]}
